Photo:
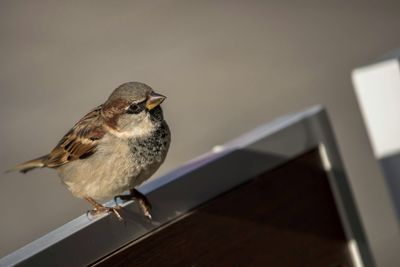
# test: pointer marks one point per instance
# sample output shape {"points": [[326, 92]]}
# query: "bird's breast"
{"points": [[116, 166]]}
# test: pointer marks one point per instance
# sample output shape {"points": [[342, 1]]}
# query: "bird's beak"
{"points": [[154, 100]]}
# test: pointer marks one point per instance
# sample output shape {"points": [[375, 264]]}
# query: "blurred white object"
{"points": [[378, 91]]}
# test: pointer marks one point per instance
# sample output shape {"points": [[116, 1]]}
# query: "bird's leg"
{"points": [[143, 202], [99, 209]]}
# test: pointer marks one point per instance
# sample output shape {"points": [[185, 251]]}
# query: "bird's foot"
{"points": [[99, 210], [143, 202]]}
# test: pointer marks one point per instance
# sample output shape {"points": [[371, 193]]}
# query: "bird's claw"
{"points": [[148, 215], [145, 207], [101, 210], [141, 200]]}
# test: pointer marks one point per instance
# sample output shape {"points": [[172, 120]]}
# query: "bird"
{"points": [[112, 149]]}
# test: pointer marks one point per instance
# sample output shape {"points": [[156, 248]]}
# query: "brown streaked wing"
{"points": [[80, 142]]}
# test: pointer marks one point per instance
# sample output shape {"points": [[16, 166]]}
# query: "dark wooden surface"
{"points": [[285, 217]]}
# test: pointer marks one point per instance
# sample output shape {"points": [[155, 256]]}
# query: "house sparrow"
{"points": [[114, 148]]}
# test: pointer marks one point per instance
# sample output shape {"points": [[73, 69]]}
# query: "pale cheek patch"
{"points": [[134, 130]]}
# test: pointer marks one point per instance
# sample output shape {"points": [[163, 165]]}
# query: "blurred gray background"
{"points": [[226, 67]]}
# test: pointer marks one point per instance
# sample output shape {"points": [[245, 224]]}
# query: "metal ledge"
{"points": [[83, 241]]}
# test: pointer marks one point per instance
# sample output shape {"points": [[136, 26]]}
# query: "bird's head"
{"points": [[133, 110]]}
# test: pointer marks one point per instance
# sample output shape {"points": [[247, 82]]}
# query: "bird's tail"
{"points": [[30, 165]]}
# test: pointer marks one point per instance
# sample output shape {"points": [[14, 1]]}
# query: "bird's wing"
{"points": [[80, 142]]}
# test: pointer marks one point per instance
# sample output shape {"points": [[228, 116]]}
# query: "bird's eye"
{"points": [[134, 109]]}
